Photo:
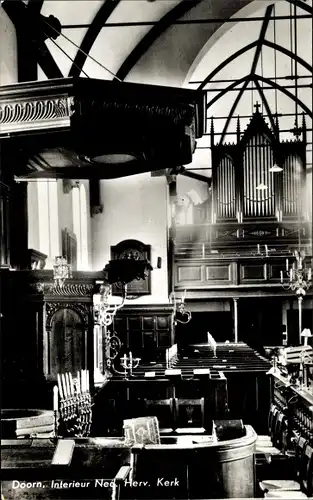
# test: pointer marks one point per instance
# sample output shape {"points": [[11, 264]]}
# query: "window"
{"points": [[80, 226]]}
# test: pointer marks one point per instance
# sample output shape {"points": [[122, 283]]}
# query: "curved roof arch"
{"points": [[197, 44]]}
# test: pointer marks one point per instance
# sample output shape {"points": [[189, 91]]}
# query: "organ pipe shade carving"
{"points": [[258, 159]]}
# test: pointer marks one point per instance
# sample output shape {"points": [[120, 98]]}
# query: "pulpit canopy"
{"points": [[83, 128]]}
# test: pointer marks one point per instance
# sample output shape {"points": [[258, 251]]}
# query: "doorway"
{"points": [[260, 321]]}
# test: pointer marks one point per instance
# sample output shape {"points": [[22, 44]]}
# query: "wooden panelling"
{"points": [[252, 272], [147, 322], [220, 272], [146, 331], [189, 273], [162, 322]]}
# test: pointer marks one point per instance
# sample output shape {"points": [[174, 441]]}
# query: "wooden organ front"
{"points": [[245, 186], [257, 212]]}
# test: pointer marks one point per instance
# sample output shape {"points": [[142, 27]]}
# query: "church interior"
{"points": [[156, 299]]}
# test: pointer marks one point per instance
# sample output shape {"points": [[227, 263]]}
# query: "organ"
{"points": [[245, 187]]}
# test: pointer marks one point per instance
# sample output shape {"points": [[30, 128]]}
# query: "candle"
{"points": [[55, 398], [60, 386], [83, 388], [281, 277], [67, 379], [78, 383], [64, 386], [258, 249], [287, 265], [266, 250], [130, 359], [71, 384], [184, 296]]}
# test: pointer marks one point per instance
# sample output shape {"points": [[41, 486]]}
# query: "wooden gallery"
{"points": [[156, 249]]}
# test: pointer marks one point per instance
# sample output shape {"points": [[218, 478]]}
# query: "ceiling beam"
{"points": [[226, 62], [288, 53], [47, 62], [227, 89], [194, 175], [156, 31], [90, 37], [239, 52], [264, 27], [287, 93], [31, 47], [233, 108], [35, 6], [301, 5]]}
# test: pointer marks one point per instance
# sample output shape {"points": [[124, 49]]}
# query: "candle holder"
{"points": [[75, 405], [182, 315], [297, 278], [129, 363]]}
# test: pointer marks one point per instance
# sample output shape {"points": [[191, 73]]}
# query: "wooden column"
{"points": [[235, 320], [14, 230], [4, 226]]}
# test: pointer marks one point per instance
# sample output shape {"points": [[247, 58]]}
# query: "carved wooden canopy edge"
{"points": [[102, 118]]}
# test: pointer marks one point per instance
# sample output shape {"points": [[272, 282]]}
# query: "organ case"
{"points": [[245, 188]]}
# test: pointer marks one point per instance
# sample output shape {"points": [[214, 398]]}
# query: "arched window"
{"points": [[48, 219], [80, 225]]}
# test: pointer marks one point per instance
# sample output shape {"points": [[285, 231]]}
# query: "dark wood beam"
{"points": [[35, 6], [156, 31], [226, 62], [288, 53], [31, 48], [212, 20], [26, 50], [233, 109], [227, 89], [264, 27], [287, 93], [194, 175], [268, 43], [96, 207], [301, 5], [47, 62], [89, 39]]}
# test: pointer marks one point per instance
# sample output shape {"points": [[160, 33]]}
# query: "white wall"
{"points": [[8, 50], [134, 208]]}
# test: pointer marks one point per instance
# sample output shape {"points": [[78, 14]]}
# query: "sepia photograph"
{"points": [[156, 263]]}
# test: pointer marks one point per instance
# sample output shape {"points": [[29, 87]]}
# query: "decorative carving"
{"points": [[68, 289], [43, 113], [82, 309], [36, 259], [162, 125], [182, 115], [130, 260], [68, 185]]}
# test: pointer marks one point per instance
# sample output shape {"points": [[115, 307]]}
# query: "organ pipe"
{"points": [[242, 167]]}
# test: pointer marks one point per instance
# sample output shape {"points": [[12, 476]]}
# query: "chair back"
{"points": [[163, 410], [190, 412]]}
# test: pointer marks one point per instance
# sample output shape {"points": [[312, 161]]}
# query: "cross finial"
{"points": [[257, 106]]}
